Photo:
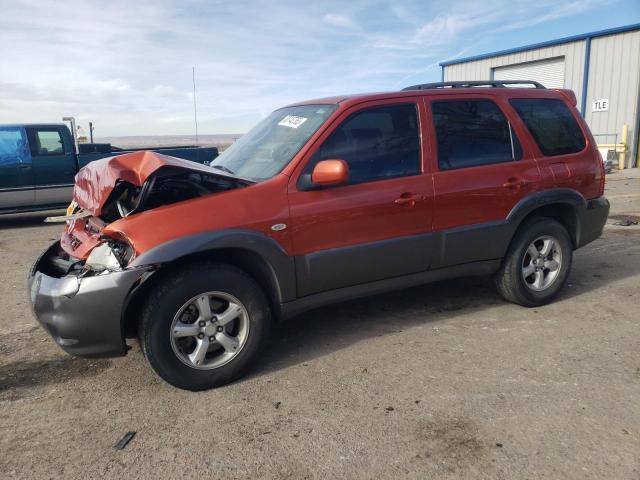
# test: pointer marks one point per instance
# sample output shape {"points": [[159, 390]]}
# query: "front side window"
{"points": [[377, 143], [269, 146], [472, 133], [551, 124], [45, 142]]}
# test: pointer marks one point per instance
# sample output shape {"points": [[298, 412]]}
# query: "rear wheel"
{"points": [[537, 264], [204, 326]]}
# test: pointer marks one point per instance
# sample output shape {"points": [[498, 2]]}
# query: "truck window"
{"points": [[551, 124], [472, 133], [45, 141], [13, 146]]}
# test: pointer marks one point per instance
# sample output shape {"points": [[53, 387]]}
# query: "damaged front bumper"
{"points": [[83, 314]]}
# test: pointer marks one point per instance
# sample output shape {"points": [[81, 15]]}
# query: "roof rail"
{"points": [[474, 83]]}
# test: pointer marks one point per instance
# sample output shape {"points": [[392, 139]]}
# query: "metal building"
{"points": [[602, 68]]}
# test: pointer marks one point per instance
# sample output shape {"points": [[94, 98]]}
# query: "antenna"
{"points": [[195, 108]]}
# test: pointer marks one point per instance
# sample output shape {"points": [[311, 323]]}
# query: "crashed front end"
{"points": [[80, 306], [80, 286]]}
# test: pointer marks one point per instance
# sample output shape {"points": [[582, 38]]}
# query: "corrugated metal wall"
{"points": [[549, 72], [481, 69], [614, 73]]}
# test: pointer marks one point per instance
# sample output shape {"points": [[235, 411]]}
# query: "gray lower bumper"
{"points": [[83, 315], [593, 220]]}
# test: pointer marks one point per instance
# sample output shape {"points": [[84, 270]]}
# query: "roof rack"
{"points": [[474, 83]]}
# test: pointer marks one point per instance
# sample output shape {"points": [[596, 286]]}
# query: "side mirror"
{"points": [[330, 172]]}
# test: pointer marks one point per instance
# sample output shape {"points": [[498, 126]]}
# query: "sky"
{"points": [[127, 65]]}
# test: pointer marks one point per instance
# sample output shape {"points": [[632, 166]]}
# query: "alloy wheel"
{"points": [[541, 263], [209, 330]]}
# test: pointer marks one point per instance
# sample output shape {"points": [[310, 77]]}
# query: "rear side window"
{"points": [[472, 133], [551, 124], [377, 143]]}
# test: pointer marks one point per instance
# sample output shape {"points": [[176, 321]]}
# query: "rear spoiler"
{"points": [[568, 94]]}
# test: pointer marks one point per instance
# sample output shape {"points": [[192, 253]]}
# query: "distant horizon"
{"points": [[220, 140], [96, 137]]}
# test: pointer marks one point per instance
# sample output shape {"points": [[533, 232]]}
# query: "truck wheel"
{"points": [[537, 263], [204, 326]]}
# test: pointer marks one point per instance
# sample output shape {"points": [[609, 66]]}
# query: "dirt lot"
{"points": [[440, 381]]}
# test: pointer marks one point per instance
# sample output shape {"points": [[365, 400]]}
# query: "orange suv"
{"points": [[322, 201]]}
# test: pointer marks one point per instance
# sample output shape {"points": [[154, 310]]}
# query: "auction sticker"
{"points": [[292, 121]]}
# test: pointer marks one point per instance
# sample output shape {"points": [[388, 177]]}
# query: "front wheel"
{"points": [[537, 264], [204, 326]]}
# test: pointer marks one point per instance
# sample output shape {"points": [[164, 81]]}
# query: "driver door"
{"points": [[378, 224], [16, 173]]}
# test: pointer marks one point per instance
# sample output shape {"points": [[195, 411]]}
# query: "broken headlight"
{"points": [[109, 256]]}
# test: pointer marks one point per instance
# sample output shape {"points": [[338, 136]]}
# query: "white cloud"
{"points": [[440, 30], [337, 20], [114, 85]]}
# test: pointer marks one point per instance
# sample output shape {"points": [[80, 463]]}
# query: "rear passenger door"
{"points": [[54, 165], [562, 144], [481, 171]]}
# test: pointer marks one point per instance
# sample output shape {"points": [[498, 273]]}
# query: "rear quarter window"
{"points": [[552, 125]]}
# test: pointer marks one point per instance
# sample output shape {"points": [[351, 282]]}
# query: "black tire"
{"points": [[167, 298], [510, 281]]}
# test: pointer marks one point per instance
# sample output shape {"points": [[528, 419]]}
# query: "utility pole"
{"points": [[195, 109]]}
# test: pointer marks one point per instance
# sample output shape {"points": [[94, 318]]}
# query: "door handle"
{"points": [[408, 199], [515, 183], [23, 166]]}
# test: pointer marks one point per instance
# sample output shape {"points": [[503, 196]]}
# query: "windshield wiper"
{"points": [[224, 169], [231, 172]]}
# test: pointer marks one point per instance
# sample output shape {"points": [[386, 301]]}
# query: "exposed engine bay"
{"points": [[110, 189], [166, 186]]}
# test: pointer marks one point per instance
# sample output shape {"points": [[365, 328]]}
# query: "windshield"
{"points": [[269, 146]]}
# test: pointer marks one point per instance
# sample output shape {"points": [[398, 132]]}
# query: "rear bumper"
{"points": [[593, 220], [83, 315]]}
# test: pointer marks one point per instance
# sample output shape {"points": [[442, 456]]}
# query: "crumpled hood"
{"points": [[95, 182]]}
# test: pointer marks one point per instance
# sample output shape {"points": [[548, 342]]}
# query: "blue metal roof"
{"points": [[550, 43]]}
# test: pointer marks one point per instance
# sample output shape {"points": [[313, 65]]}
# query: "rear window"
{"points": [[45, 141], [551, 124]]}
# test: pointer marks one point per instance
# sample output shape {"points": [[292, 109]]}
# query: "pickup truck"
{"points": [[38, 163]]}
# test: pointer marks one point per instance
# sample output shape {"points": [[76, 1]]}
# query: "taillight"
{"points": [[600, 173]]}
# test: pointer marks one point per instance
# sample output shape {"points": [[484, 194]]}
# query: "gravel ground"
{"points": [[440, 381]]}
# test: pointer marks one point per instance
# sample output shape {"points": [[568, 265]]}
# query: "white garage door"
{"points": [[549, 73]]}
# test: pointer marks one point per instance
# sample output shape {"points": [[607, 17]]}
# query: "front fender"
{"points": [[279, 262]]}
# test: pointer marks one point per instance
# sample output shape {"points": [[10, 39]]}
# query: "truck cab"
{"points": [[37, 166]]}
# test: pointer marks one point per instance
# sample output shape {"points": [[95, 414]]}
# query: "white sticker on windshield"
{"points": [[292, 121]]}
